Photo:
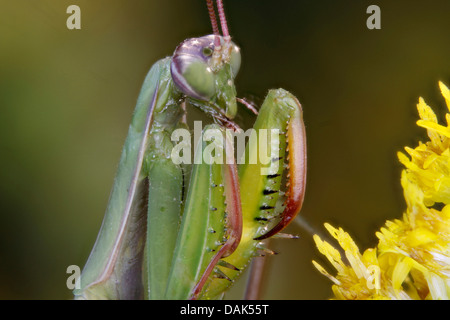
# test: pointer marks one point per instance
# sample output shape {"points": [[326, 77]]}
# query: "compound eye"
{"points": [[194, 78], [190, 70], [207, 51]]}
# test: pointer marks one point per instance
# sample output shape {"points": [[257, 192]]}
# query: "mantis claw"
{"points": [[260, 189], [233, 220], [295, 193]]}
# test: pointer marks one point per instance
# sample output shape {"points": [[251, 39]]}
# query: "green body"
{"points": [[157, 240]]}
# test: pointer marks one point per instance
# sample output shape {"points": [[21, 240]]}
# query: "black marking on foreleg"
{"points": [[268, 191], [266, 207]]}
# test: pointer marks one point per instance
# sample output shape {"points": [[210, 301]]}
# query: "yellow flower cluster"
{"points": [[412, 259]]}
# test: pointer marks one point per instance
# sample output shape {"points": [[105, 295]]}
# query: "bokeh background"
{"points": [[66, 98]]}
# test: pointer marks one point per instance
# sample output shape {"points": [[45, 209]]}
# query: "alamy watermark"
{"points": [[73, 21], [374, 20], [74, 280], [263, 147]]}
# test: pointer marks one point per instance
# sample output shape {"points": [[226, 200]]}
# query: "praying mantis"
{"points": [[174, 230]]}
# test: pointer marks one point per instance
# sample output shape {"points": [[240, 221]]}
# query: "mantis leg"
{"points": [[265, 210], [211, 223], [164, 213]]}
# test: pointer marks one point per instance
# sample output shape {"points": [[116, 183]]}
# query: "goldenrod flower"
{"points": [[360, 279], [412, 259]]}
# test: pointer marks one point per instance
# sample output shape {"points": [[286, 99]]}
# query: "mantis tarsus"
{"points": [[165, 236]]}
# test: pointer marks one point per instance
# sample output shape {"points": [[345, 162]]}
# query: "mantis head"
{"points": [[204, 68], [206, 73]]}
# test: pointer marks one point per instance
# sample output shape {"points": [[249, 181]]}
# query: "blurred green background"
{"points": [[66, 98]]}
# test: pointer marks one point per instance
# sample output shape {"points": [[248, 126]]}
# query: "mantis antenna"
{"points": [[215, 26], [223, 22], [227, 39], [212, 17], [222, 18]]}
